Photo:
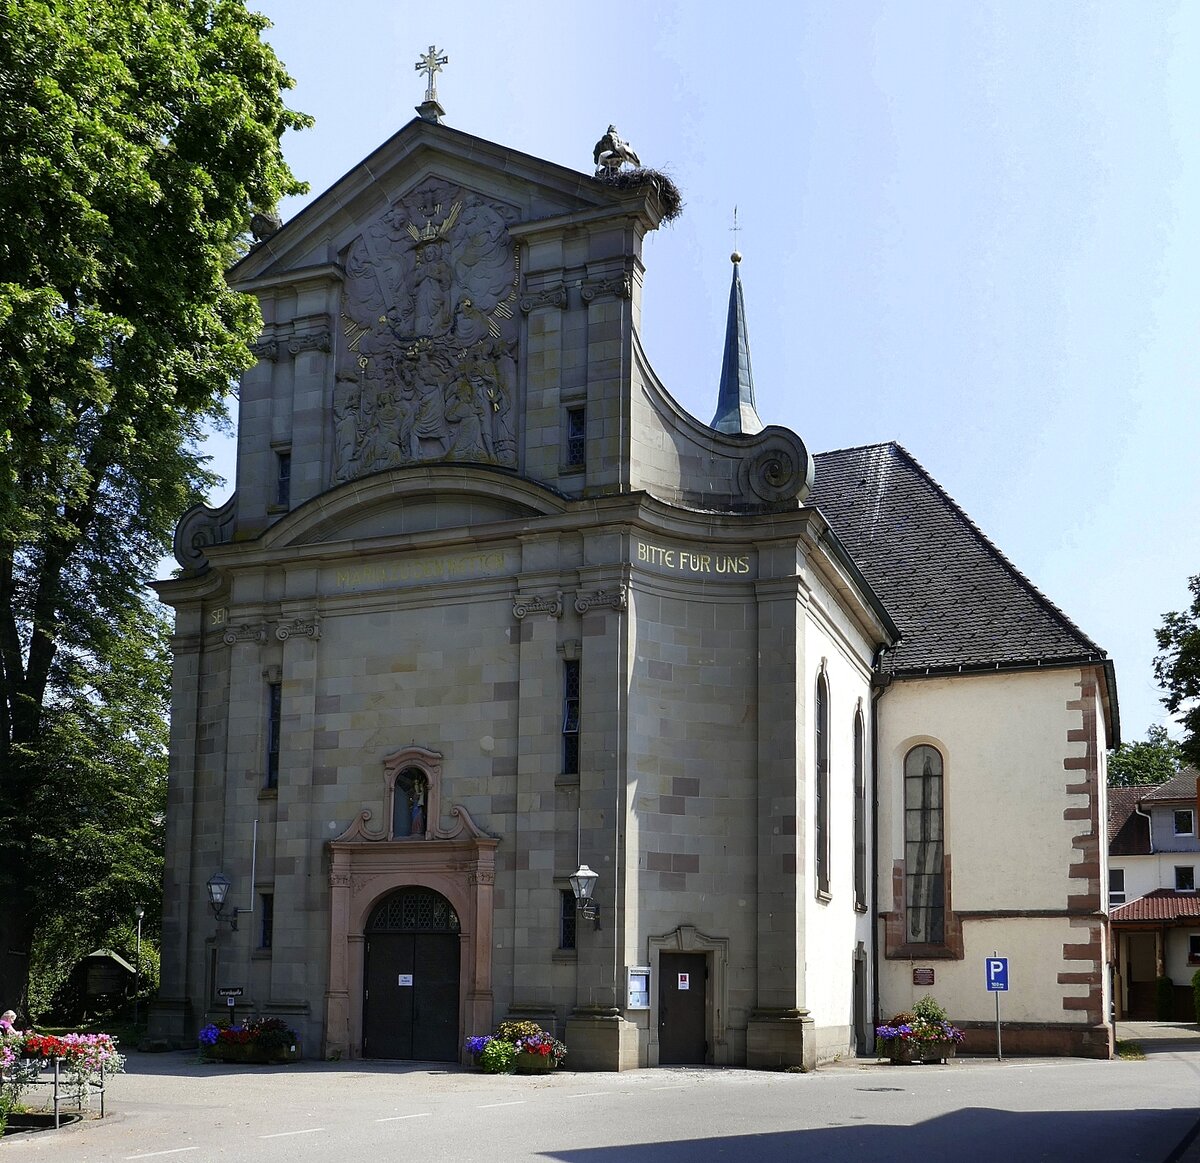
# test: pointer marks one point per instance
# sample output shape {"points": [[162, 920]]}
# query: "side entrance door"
{"points": [[410, 998], [682, 1006]]}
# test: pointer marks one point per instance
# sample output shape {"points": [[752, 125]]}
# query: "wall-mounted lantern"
{"points": [[218, 889], [583, 883]]}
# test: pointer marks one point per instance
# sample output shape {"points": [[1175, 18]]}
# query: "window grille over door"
{"points": [[414, 909]]}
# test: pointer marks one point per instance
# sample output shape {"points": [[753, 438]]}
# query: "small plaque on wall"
{"points": [[922, 975]]}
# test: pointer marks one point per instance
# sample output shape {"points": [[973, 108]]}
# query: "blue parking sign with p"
{"points": [[997, 974]]}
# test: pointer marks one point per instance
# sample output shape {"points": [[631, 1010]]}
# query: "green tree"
{"points": [[137, 137], [1177, 669], [1153, 760]]}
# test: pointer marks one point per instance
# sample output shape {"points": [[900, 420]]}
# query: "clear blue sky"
{"points": [[972, 228]]}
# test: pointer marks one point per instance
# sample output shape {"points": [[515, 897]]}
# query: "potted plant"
{"points": [[498, 1057], [259, 1040], [521, 1046], [922, 1035], [539, 1053], [85, 1059]]}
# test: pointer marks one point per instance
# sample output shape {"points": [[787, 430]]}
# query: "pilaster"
{"points": [[538, 610], [299, 886], [170, 1010], [779, 1031]]}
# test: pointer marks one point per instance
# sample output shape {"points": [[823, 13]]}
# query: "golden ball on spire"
{"points": [[736, 257]]}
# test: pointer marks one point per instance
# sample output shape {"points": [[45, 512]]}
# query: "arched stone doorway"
{"points": [[367, 866], [410, 986]]}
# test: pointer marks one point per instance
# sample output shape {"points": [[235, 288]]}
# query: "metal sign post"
{"points": [[996, 974], [231, 993]]}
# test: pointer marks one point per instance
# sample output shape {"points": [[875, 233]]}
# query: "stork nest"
{"points": [[670, 200]]}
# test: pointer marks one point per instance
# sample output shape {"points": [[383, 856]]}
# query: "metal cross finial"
{"points": [[736, 256], [431, 64]]}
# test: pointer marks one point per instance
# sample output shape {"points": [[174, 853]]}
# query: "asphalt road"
{"points": [[171, 1107]]}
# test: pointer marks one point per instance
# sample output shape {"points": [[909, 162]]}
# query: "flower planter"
{"points": [[527, 1063], [934, 1052], [249, 1054], [906, 1052]]}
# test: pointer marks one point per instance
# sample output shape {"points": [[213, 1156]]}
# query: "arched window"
{"points": [[821, 750], [925, 891], [860, 811], [413, 909]]}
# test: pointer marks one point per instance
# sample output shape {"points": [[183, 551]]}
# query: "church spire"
{"points": [[735, 398]]}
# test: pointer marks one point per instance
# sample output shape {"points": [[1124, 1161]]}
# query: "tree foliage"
{"points": [[1177, 669], [136, 139], [1150, 761]]}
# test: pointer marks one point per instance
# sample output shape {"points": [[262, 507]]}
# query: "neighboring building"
{"points": [[488, 605], [1154, 861], [99, 984]]}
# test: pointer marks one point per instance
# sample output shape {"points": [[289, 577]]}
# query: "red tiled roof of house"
{"points": [[1160, 905]]}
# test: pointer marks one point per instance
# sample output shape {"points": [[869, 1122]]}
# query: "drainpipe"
{"points": [[879, 685], [1137, 811]]}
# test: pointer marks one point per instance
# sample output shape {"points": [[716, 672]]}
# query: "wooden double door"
{"points": [[411, 995]]}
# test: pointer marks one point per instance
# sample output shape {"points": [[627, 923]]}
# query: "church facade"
{"points": [[488, 605]]}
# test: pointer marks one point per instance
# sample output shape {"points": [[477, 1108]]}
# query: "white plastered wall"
{"points": [[833, 928], [1004, 739]]}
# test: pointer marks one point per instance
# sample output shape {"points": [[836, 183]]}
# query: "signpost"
{"points": [[996, 973], [230, 993]]}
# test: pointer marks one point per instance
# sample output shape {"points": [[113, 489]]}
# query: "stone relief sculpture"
{"points": [[426, 369]]}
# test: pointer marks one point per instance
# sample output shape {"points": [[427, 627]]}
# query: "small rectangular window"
{"points": [[266, 929], [1116, 886], [576, 451], [566, 933], [283, 478], [1194, 949], [1185, 878], [570, 726], [274, 714], [1184, 825]]}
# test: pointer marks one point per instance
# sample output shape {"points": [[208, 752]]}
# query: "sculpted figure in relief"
{"points": [[426, 365]]}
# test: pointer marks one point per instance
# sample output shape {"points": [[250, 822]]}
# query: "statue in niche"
{"points": [[426, 365], [409, 804]]}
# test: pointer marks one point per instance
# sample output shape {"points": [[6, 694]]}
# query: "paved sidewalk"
{"points": [[861, 1111], [1168, 1038], [1157, 1036]]}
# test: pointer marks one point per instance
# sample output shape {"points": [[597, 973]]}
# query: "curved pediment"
{"points": [[406, 501], [694, 464]]}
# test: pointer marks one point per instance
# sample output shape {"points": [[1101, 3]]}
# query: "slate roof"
{"points": [[1160, 905], [1181, 787], [1128, 833], [958, 601]]}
